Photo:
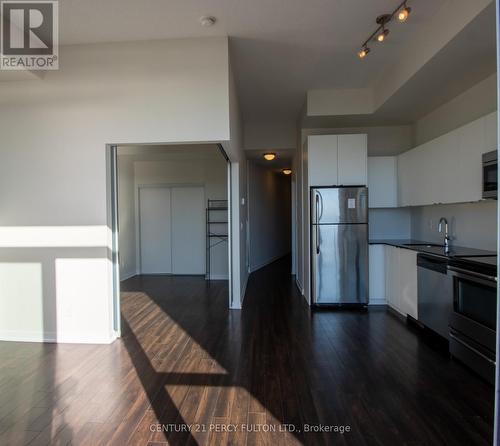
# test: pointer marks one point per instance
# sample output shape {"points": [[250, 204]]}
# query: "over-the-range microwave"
{"points": [[490, 175]]}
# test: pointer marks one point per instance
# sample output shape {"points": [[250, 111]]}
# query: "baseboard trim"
{"points": [[244, 291], [127, 276], [53, 338], [218, 277], [299, 285], [266, 262]]}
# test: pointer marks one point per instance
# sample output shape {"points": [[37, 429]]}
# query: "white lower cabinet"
{"points": [[393, 278], [377, 275], [408, 289]]}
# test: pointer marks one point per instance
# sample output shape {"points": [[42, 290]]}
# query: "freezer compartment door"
{"points": [[340, 264], [339, 205]]}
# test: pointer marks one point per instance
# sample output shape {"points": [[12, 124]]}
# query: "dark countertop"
{"points": [[432, 248]]}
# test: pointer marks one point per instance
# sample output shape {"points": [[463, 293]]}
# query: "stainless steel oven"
{"points": [[490, 174], [473, 320]]}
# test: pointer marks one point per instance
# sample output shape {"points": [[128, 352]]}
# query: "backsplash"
{"points": [[472, 225], [390, 223]]}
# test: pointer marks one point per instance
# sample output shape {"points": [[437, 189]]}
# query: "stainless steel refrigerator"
{"points": [[339, 245]]}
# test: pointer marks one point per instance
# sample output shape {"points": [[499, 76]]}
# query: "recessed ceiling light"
{"points": [[269, 156], [208, 20], [287, 171]]}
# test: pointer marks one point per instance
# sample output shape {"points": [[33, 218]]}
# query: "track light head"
{"points": [[404, 13], [382, 35], [363, 52]]}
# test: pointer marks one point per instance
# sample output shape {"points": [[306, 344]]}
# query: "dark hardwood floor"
{"points": [[185, 359]]}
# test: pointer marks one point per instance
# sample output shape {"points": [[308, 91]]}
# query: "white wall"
{"points": [[53, 170], [299, 254], [239, 214], [472, 104], [269, 195], [127, 217]]}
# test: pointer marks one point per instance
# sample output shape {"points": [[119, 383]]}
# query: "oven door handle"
{"points": [[475, 350], [471, 275]]}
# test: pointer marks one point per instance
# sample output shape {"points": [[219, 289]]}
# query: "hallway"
{"points": [[185, 359]]}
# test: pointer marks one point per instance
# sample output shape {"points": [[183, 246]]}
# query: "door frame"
{"points": [[496, 419], [137, 193], [111, 164]]}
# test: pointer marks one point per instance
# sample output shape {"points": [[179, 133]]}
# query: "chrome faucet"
{"points": [[446, 235]]}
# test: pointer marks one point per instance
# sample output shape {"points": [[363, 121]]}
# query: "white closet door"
{"points": [[155, 230], [188, 230]]}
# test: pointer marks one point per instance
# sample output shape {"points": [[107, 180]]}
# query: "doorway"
{"points": [[270, 227], [158, 202]]}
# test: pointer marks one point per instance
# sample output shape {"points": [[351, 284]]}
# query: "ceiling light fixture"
{"points": [[207, 20], [363, 52], [402, 13], [381, 37], [287, 171], [269, 156]]}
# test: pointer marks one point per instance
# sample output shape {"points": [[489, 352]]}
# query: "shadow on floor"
{"points": [[275, 363]]}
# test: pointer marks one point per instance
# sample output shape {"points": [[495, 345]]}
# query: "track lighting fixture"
{"points": [[402, 13]]}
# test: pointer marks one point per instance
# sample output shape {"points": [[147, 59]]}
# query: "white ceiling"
{"points": [[279, 48]]}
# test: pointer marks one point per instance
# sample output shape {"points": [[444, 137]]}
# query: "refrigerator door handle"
{"points": [[316, 195], [317, 221], [317, 238], [320, 215]]}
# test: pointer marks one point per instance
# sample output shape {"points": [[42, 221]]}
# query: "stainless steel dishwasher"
{"points": [[435, 293]]}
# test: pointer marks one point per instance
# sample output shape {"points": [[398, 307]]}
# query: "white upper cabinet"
{"points": [[447, 169], [468, 162], [323, 160], [382, 181], [353, 160], [335, 160]]}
